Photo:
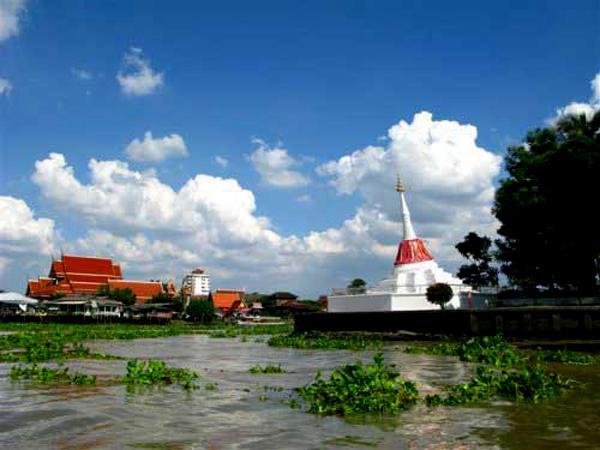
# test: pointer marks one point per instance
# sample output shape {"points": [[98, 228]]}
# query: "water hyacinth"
{"points": [[532, 384], [324, 342], [492, 350], [48, 375], [360, 388], [268, 369], [156, 372]]}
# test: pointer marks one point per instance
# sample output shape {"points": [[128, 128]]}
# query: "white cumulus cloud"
{"points": [[26, 242], [10, 16], [274, 165], [137, 77], [5, 86], [450, 178], [588, 109], [155, 150]]}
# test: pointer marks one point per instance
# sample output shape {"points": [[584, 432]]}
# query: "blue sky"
{"points": [[319, 79]]}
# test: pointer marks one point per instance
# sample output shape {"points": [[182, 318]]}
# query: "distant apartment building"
{"points": [[196, 283]]}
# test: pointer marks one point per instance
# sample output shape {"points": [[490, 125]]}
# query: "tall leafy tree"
{"points": [[547, 207], [480, 271]]}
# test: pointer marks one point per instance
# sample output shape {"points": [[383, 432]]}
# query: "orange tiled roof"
{"points": [[75, 275], [227, 298]]}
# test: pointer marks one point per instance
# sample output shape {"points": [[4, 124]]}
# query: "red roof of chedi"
{"points": [[412, 251]]}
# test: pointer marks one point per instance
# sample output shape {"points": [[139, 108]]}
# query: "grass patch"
{"points": [[360, 388], [266, 370], [156, 372], [325, 342], [48, 375], [532, 384]]}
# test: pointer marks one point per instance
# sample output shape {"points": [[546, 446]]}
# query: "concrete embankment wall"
{"points": [[547, 322]]}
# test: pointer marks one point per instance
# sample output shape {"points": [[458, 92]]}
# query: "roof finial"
{"points": [[399, 185]]}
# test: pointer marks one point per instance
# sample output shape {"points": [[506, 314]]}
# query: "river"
{"points": [[237, 415]]}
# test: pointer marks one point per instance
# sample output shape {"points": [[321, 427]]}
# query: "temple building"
{"points": [[85, 275], [405, 289]]}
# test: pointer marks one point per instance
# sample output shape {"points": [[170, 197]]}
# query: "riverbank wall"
{"points": [[523, 322]]}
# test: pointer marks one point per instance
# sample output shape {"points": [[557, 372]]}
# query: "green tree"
{"points": [[479, 272], [201, 311], [546, 207], [163, 297], [439, 294], [126, 296], [358, 285]]}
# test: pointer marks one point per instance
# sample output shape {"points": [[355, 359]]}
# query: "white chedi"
{"points": [[405, 289]]}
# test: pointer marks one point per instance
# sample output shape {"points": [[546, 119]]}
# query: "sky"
{"points": [[261, 140]]}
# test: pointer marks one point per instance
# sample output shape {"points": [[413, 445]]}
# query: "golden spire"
{"points": [[399, 185]]}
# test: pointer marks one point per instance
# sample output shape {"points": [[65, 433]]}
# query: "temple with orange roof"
{"points": [[414, 271], [86, 275], [227, 299]]}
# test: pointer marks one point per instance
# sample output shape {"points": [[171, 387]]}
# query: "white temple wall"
{"points": [[358, 303]]}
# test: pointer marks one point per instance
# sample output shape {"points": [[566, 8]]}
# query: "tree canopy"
{"points": [[546, 208], [480, 271], [439, 294]]}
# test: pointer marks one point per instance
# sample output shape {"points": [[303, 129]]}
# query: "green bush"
{"points": [[439, 294], [360, 388]]}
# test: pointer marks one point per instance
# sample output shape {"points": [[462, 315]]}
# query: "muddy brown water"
{"points": [[235, 415]]}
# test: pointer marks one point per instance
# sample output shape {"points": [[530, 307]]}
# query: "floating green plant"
{"points": [[493, 350], [48, 375], [532, 383], [324, 342], [156, 372], [360, 388], [268, 369], [565, 357]]}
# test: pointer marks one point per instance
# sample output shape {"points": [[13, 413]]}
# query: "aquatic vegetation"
{"points": [[492, 350], [268, 369], [210, 387], [564, 356], [322, 342], [360, 388], [29, 347], [532, 384], [156, 372], [48, 375]]}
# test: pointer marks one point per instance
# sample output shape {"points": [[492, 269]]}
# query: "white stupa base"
{"points": [[404, 290], [372, 302]]}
